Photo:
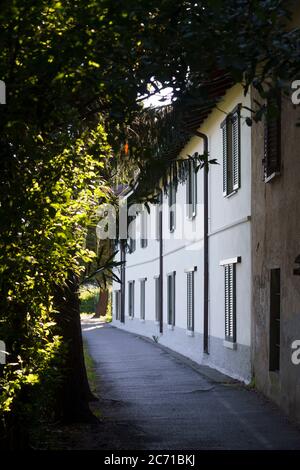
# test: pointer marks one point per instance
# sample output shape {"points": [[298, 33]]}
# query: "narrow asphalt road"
{"points": [[154, 400]]}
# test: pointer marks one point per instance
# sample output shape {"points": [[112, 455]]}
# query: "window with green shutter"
{"points": [[231, 141]]}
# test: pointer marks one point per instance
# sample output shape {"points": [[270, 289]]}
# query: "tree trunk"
{"points": [[75, 392], [101, 307]]}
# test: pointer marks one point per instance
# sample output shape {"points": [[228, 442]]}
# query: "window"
{"points": [[157, 298], [231, 152], [275, 320], [230, 303], [191, 190], [118, 304], [171, 298], [142, 298], [131, 298], [272, 138], [230, 298], [190, 298], [144, 239], [172, 208]]}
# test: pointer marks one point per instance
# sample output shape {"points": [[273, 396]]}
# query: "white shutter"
{"points": [[235, 128], [225, 158]]}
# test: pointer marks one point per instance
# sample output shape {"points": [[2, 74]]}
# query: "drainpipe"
{"points": [[161, 269], [205, 246], [123, 259]]}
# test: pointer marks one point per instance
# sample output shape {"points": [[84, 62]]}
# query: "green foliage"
{"points": [[37, 251], [73, 71], [90, 369], [55, 171], [89, 297], [108, 317], [188, 45]]}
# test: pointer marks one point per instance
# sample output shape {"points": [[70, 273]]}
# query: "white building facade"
{"points": [[187, 282]]}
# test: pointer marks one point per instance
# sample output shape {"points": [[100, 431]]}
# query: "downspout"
{"points": [[205, 245], [161, 270], [123, 260]]}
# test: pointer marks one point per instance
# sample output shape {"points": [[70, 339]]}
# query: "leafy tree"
{"points": [[76, 74]]}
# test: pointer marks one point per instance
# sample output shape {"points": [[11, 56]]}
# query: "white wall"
{"points": [[229, 236]]}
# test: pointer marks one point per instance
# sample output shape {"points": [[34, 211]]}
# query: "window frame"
{"points": [[131, 299], [158, 215], [231, 144], [143, 298], [230, 304], [172, 206], [144, 229], [171, 299], [157, 298], [190, 304], [118, 304], [191, 190]]}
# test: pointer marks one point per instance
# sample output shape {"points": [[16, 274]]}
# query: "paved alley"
{"points": [[158, 401]]}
